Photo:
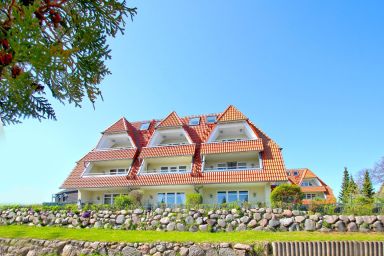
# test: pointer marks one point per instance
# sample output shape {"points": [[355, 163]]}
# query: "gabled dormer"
{"points": [[232, 125], [170, 132], [116, 136]]}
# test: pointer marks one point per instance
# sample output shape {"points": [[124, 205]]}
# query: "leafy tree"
{"points": [[56, 46], [344, 192], [367, 189], [286, 195], [194, 199]]}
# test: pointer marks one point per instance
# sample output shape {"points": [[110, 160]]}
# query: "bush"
{"points": [[286, 195], [137, 196], [317, 205], [194, 199], [123, 201]]}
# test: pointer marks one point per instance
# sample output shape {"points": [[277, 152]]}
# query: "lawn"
{"points": [[108, 235]]}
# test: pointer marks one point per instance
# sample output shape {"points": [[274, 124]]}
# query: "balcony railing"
{"points": [[230, 168]]}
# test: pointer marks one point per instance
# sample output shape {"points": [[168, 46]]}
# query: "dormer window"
{"points": [[211, 119], [115, 141], [169, 137], [144, 126], [295, 173], [232, 132], [194, 121]]}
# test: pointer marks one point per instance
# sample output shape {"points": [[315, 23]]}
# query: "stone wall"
{"points": [[34, 247], [194, 220]]}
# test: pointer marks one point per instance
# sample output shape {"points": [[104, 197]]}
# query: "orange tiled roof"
{"points": [[113, 154], [228, 147], [273, 168], [305, 173], [172, 120], [166, 151], [231, 114]]}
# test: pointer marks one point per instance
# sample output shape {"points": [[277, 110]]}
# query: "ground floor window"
{"points": [[171, 198], [110, 198], [232, 196]]}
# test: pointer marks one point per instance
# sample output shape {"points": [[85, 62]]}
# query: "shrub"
{"points": [[137, 196], [123, 201], [317, 205], [286, 195], [194, 199]]}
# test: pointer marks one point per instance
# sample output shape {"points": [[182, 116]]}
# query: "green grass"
{"points": [[105, 235]]}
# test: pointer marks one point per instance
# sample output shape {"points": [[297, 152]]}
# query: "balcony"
{"points": [[108, 168], [232, 161], [166, 165]]}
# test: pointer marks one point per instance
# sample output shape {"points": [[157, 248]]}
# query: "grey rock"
{"points": [[189, 220], [314, 217], [120, 219], [239, 246], [252, 224], [286, 221], [169, 253], [378, 226], [138, 211], [184, 251], [160, 247], [257, 216], [299, 219], [296, 213], [221, 223], [241, 227], [211, 252], [180, 227], [344, 218], [369, 219], [196, 250], [287, 213], [294, 227], [203, 228], [199, 221], [244, 219], [267, 216], [273, 223], [171, 226], [193, 228], [340, 226], [164, 220], [352, 227], [331, 219], [309, 225], [226, 252], [263, 222], [229, 217]]}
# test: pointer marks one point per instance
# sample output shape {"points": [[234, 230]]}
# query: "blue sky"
{"points": [[308, 73]]}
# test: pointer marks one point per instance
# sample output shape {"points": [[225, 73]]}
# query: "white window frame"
{"points": [[166, 194], [146, 127], [194, 121], [117, 171], [208, 122], [310, 196], [226, 195]]}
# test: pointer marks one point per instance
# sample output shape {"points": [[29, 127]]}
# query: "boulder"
{"points": [[196, 250], [286, 221], [244, 219], [226, 252], [229, 217], [331, 219], [378, 226], [164, 220], [287, 213], [352, 227], [309, 225], [299, 219], [241, 227], [171, 226], [120, 219], [189, 220], [138, 211], [203, 228], [340, 226], [183, 251], [239, 246], [180, 227], [221, 223], [257, 216], [273, 223], [252, 224]]}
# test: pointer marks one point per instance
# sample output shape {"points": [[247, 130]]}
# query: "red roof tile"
{"points": [[272, 160], [172, 120], [113, 154], [231, 114], [228, 147], [166, 151]]}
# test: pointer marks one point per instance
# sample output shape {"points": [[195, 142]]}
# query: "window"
{"points": [[164, 169], [171, 198], [211, 119], [232, 196], [310, 196], [307, 183], [144, 126], [194, 121], [231, 166], [241, 165], [295, 173], [118, 171], [173, 169]]}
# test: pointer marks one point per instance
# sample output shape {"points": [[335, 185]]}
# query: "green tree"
{"points": [[353, 188], [286, 195], [367, 189], [54, 49], [344, 192]]}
